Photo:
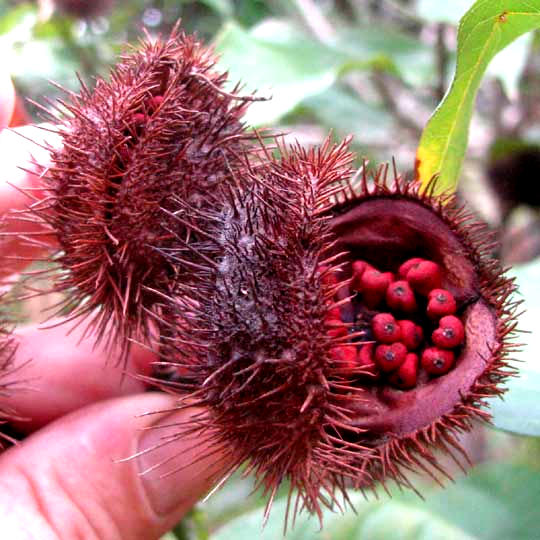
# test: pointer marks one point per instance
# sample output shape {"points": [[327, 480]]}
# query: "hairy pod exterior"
{"points": [[286, 393], [162, 127]]}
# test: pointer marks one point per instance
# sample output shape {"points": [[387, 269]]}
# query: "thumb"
{"points": [[65, 480]]}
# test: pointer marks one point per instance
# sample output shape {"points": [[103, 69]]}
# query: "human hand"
{"points": [[64, 480]]}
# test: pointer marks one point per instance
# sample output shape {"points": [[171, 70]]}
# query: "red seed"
{"points": [[385, 328], [358, 268], [407, 265], [405, 376], [440, 303], [336, 329], [390, 357], [424, 277], [139, 119], [333, 314], [411, 334], [155, 102], [345, 356], [365, 359], [437, 361], [400, 296], [373, 286], [450, 333]]}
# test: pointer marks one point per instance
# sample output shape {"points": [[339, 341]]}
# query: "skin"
{"points": [[69, 476]]}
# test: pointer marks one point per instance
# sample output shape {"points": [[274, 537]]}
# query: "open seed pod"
{"points": [[462, 313], [162, 124], [345, 330]]}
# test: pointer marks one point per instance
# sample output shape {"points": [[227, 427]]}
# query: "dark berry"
{"points": [[336, 329], [373, 286], [450, 333], [440, 303], [328, 277], [139, 119], [358, 268], [390, 357], [437, 361], [345, 356], [365, 359], [400, 296], [385, 328], [334, 314], [84, 8], [407, 265], [424, 277], [155, 101], [411, 334], [405, 376]]}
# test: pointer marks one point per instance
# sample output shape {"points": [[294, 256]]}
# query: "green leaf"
{"points": [[223, 7], [387, 48], [520, 410], [276, 59], [288, 68], [488, 27], [194, 526], [347, 114], [492, 503]]}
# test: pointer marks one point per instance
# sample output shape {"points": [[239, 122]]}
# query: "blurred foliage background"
{"points": [[374, 69]]}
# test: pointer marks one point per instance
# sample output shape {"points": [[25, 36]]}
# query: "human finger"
{"points": [[64, 481], [20, 187], [59, 371]]}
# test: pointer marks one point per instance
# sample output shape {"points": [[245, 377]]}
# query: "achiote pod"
{"points": [[310, 342], [162, 124]]}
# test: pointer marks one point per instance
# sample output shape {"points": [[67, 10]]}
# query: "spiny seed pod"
{"points": [[263, 360], [285, 394], [162, 125]]}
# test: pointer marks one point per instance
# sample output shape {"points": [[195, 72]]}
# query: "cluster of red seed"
{"points": [[405, 323]]}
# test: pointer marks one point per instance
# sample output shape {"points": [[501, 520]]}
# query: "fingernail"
{"points": [[177, 468]]}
